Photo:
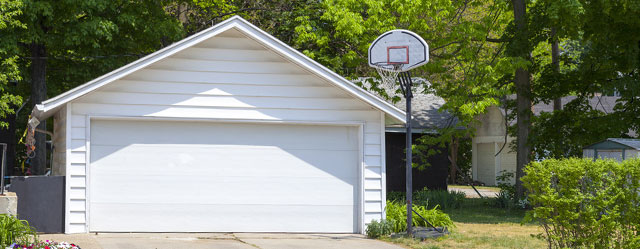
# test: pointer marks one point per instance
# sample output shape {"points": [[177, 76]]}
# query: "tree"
{"points": [[465, 69], [69, 42], [9, 26]]}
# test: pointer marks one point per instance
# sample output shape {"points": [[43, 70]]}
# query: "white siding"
{"points": [[587, 153], [59, 142], [486, 163], [507, 161], [225, 77]]}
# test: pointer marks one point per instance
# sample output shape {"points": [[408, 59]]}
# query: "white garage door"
{"points": [[158, 176]]}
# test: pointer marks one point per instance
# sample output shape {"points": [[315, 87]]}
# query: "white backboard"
{"points": [[399, 49]]}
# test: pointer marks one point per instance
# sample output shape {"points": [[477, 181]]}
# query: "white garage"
{"points": [[229, 130]]}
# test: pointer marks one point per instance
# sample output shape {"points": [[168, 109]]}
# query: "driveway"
{"points": [[218, 240], [470, 193]]}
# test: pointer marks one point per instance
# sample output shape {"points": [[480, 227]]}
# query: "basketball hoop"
{"points": [[392, 53], [388, 73]]}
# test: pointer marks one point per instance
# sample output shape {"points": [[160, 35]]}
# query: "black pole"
{"points": [[405, 79]]}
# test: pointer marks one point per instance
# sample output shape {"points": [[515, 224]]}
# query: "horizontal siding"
{"points": [[163, 75], [372, 206], [230, 43], [219, 113], [77, 228], [373, 161], [77, 205], [77, 193], [373, 172], [372, 216], [248, 67], [223, 89], [188, 100], [228, 55]]}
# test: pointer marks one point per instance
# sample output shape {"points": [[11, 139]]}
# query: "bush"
{"points": [[397, 216], [376, 229], [582, 203], [439, 198], [506, 198], [13, 230]]}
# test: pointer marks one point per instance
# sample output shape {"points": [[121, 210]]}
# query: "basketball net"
{"points": [[389, 74]]}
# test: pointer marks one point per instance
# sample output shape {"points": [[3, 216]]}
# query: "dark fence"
{"points": [[40, 201]]}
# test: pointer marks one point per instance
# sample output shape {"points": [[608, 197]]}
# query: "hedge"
{"points": [[582, 203]]}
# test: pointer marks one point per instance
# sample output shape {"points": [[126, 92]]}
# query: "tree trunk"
{"points": [[39, 94], [523, 93], [454, 160], [555, 61]]}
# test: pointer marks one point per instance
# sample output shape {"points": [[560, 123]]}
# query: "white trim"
{"points": [[46, 108], [383, 165], [67, 173], [87, 172], [474, 159], [497, 162], [361, 167], [358, 125]]}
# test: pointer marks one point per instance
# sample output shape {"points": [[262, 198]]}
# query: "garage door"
{"points": [[158, 176]]}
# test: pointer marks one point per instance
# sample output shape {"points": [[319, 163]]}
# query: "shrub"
{"points": [[13, 230], [397, 216], [582, 203], [439, 198], [506, 198], [376, 229]]}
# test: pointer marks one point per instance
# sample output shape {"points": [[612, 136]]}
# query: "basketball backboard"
{"points": [[398, 50]]}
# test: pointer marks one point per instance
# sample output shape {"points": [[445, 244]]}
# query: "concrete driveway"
{"points": [[218, 240]]}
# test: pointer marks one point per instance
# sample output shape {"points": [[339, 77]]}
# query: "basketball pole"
{"points": [[405, 82]]}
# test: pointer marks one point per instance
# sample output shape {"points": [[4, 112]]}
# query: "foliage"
{"points": [[9, 24], [85, 39], [441, 199], [377, 229], [397, 216], [562, 134], [466, 70], [582, 203], [396, 196], [506, 198], [13, 230]]}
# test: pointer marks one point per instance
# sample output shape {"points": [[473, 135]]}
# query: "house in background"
{"points": [[427, 118], [228, 130], [490, 154], [613, 148]]}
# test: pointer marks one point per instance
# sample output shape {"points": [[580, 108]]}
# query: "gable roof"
{"points": [[616, 143], [49, 107]]}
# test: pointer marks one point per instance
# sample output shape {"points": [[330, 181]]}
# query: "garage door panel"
{"points": [[154, 176], [224, 218], [207, 133], [222, 161], [245, 190]]}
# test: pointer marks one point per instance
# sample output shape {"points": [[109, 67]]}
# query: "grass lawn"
{"points": [[482, 227]]}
